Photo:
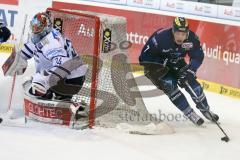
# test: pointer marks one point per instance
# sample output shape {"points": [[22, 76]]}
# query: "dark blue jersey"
{"points": [[161, 47], [4, 33]]}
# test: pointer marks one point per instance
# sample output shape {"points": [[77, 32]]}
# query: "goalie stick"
{"points": [[15, 75]]}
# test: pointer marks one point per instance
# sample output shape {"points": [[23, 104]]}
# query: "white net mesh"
{"points": [[117, 97]]}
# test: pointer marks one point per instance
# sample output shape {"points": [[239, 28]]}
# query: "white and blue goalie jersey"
{"points": [[54, 56]]}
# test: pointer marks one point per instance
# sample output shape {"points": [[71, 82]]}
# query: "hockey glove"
{"points": [[172, 59], [39, 85], [186, 74], [38, 89], [14, 64]]}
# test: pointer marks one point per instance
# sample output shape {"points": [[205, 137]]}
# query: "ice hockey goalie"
{"points": [[60, 72]]}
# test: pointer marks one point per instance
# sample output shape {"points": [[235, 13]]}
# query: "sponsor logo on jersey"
{"points": [[55, 35], [42, 43], [39, 45], [55, 52], [58, 24], [107, 40], [187, 45], [167, 50], [154, 41]]}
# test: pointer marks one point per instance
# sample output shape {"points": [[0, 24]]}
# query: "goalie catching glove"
{"points": [[14, 64]]}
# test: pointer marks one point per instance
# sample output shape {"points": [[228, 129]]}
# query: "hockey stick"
{"points": [[15, 75], [225, 138], [12, 90]]}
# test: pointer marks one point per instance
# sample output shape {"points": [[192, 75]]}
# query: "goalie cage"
{"points": [[110, 90]]}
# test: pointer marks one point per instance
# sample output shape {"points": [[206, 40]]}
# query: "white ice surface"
{"points": [[39, 141]]}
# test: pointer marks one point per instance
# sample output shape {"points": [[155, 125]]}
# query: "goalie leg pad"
{"points": [[47, 111]]}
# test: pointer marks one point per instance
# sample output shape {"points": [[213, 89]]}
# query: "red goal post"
{"points": [[110, 89], [83, 31]]}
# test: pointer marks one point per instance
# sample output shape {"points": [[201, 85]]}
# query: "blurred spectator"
{"points": [[235, 3], [203, 1]]}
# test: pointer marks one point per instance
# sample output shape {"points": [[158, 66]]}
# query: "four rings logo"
{"points": [[106, 44], [58, 24]]}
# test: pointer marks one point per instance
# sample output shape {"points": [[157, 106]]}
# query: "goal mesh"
{"points": [[110, 89]]}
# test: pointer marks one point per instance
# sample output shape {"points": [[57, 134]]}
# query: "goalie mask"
{"points": [[40, 26]]}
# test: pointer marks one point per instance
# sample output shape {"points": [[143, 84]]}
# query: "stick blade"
{"points": [[226, 139]]}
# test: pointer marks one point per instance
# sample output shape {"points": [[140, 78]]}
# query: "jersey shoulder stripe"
{"points": [[28, 49], [26, 55]]}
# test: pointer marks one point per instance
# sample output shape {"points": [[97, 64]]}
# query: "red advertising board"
{"points": [[221, 43], [10, 2], [48, 114]]}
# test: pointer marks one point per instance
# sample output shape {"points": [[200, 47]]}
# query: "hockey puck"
{"points": [[226, 139], [1, 120]]}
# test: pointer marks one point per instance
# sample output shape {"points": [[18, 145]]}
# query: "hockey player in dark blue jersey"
{"points": [[164, 64], [5, 33]]}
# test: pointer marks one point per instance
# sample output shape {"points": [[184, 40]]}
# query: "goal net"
{"points": [[110, 90]]}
